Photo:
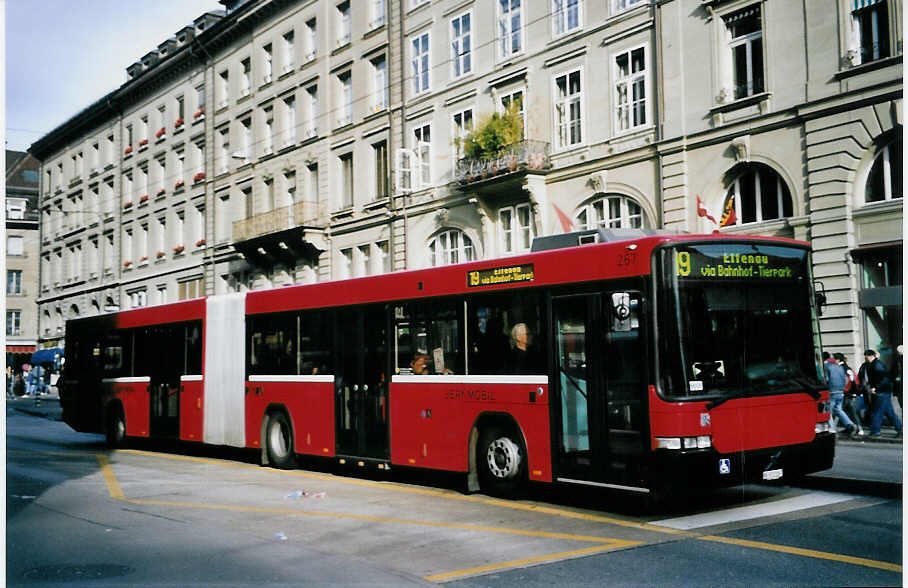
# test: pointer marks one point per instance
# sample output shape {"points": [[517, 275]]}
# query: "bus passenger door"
{"points": [[582, 451], [361, 389]]}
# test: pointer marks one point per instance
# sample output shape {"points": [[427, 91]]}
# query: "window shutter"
{"points": [[404, 170]]}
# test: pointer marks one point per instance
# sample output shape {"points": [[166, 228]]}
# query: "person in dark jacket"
{"points": [[881, 393]]}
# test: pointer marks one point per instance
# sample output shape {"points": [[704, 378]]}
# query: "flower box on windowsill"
{"points": [[178, 249], [143, 143], [143, 199], [199, 114], [161, 192], [143, 259], [128, 150], [160, 254], [198, 177], [127, 204], [160, 133], [178, 123], [178, 184], [200, 243], [127, 263]]}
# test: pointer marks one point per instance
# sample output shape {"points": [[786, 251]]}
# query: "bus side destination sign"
{"points": [[501, 275]]}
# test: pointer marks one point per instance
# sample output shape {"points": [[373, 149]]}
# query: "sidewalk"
{"points": [[47, 405]]}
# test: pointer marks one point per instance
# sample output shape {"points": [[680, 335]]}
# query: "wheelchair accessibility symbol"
{"points": [[725, 466]]}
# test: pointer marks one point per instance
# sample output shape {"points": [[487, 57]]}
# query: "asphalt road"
{"points": [[79, 514]]}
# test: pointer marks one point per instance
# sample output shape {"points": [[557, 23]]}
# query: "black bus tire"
{"points": [[115, 427], [279, 441], [502, 461]]}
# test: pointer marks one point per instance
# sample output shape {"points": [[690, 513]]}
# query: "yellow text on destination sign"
{"points": [[501, 275]]}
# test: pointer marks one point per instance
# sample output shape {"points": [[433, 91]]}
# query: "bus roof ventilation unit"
{"points": [[593, 236]]}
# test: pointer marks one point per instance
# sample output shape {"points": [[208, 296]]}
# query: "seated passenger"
{"points": [[521, 360]]}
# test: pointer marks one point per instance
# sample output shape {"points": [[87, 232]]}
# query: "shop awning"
{"points": [[46, 355], [20, 348]]}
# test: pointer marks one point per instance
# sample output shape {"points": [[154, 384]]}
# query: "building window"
{"points": [[268, 147], [223, 150], [162, 294], [461, 45], [871, 29], [312, 191], [383, 257], [311, 40], [343, 23], [181, 108], [450, 246], [346, 263], [289, 53], [621, 5], [568, 121], [516, 98], [15, 245], [516, 228], [630, 89], [422, 143], [345, 107], [510, 28], [14, 281], [245, 81], [379, 83], [745, 34], [312, 124], [267, 64], [565, 16], [378, 14], [419, 62], [289, 120], [192, 289], [463, 124], [247, 137], [610, 212], [380, 154], [346, 161], [224, 88], [364, 260], [200, 98], [756, 194], [884, 182], [13, 322]]}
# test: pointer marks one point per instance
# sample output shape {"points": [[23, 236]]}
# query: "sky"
{"points": [[60, 56]]}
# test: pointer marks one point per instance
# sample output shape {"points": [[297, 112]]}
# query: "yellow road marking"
{"points": [[858, 561], [529, 560], [113, 486], [494, 502]]}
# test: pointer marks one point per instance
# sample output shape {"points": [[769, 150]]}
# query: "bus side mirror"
{"points": [[625, 311], [819, 296]]}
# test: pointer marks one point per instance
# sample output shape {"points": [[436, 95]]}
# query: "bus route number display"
{"points": [[501, 275], [718, 264]]}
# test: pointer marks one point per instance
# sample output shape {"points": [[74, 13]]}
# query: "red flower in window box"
{"points": [[160, 133], [178, 123], [160, 254], [128, 150], [200, 242], [179, 184], [198, 177], [127, 263], [143, 258], [127, 204], [161, 192], [143, 142], [143, 199], [199, 112], [178, 249]]}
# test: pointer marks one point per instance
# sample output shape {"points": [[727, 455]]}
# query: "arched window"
{"points": [[450, 246], [611, 212], [756, 194], [884, 182]]}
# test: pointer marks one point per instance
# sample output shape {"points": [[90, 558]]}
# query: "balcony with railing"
{"points": [[284, 234], [513, 161]]}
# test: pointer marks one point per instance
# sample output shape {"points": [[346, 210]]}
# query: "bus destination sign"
{"points": [[739, 263], [501, 275]]}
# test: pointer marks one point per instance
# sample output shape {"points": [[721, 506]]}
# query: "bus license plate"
{"points": [[772, 474]]}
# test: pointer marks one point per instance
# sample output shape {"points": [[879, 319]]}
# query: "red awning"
{"points": [[21, 348]]}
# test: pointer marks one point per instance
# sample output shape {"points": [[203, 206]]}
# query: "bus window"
{"points": [[506, 334], [113, 356], [272, 345], [193, 349], [429, 335], [315, 344]]}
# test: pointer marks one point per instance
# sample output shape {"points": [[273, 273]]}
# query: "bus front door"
{"points": [[361, 389], [582, 449]]}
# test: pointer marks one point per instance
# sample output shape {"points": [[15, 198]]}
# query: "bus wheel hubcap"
{"points": [[503, 458], [278, 440]]}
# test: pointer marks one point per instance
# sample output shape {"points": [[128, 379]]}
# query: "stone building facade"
{"points": [[282, 142]]}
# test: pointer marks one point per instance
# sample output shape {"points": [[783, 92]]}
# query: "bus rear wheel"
{"points": [[279, 441], [501, 461], [115, 428]]}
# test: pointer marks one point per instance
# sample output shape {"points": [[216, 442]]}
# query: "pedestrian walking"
{"points": [[881, 393], [836, 377], [851, 393]]}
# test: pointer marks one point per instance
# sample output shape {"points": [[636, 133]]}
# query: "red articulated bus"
{"points": [[636, 360]]}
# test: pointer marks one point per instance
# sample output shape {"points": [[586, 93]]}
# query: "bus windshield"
{"points": [[737, 319]]}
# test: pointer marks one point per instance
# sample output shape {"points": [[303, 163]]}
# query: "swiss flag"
{"points": [[567, 225], [701, 210]]}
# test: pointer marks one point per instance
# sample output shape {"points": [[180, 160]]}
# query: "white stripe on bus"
{"points": [[320, 378], [477, 379], [133, 380], [191, 378]]}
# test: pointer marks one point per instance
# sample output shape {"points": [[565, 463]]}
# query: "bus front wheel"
{"points": [[115, 428], [279, 441], [501, 461]]}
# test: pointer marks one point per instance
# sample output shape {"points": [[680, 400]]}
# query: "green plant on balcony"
{"points": [[493, 134]]}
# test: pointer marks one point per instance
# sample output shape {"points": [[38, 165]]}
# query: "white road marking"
{"points": [[744, 513]]}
